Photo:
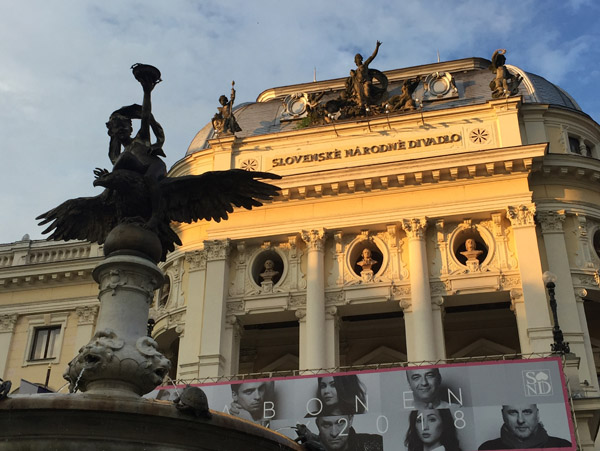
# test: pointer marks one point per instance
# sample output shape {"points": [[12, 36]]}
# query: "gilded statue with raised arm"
{"points": [[505, 84], [363, 91], [224, 121]]}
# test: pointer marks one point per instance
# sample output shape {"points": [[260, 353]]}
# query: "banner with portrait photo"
{"points": [[469, 406]]}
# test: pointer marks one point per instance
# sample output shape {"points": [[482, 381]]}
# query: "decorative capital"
{"points": [[405, 305], [391, 235], [516, 297], [581, 225], [217, 249], [291, 245], [241, 248], [580, 293], [551, 221], [520, 216], [339, 243], [497, 221], [234, 307], [415, 228], [86, 314], [7, 323], [437, 301], [315, 239], [300, 314], [196, 260], [331, 312]]}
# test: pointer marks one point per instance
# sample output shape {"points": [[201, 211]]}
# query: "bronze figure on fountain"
{"points": [[132, 217]]}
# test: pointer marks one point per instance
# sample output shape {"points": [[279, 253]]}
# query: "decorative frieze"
{"points": [[508, 282], [234, 307], [297, 301], [335, 298], [130, 280], [585, 280], [440, 288]]}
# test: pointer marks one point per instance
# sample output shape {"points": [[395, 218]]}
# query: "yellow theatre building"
{"points": [[413, 230]]}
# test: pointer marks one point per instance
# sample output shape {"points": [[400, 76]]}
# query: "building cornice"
{"points": [[428, 170], [74, 271]]}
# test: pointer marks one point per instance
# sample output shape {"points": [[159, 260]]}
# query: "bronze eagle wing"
{"points": [[213, 195], [83, 218]]}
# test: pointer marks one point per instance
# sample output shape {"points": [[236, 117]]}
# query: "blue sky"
{"points": [[65, 68]]}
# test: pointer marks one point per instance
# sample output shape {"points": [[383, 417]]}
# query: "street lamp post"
{"points": [[559, 346]]}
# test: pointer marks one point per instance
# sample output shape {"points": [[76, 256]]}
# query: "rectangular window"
{"points": [[44, 341], [574, 145]]}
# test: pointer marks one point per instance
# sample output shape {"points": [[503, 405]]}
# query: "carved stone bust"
{"points": [[366, 265], [472, 254], [269, 272]]}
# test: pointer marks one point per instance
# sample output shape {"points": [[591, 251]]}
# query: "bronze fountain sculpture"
{"points": [[132, 217]]}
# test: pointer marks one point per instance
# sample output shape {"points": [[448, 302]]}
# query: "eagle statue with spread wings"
{"points": [[138, 195]]}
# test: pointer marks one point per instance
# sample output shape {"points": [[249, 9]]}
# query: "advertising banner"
{"points": [[514, 404]]}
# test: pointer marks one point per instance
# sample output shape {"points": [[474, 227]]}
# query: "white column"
{"points": [[332, 340], [231, 344], [422, 338], [7, 327], [315, 300], [189, 346], [539, 328], [581, 293], [212, 359], [551, 223], [86, 320], [301, 315], [409, 331], [518, 307], [438, 326]]}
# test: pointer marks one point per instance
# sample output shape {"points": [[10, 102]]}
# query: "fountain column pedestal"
{"points": [[121, 360]]}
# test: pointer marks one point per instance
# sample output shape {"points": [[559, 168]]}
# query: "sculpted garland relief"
{"points": [[583, 257], [123, 279]]}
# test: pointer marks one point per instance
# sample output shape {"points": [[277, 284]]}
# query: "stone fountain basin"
{"points": [[95, 422]]}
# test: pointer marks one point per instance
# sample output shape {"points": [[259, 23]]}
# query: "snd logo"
{"points": [[537, 383]]}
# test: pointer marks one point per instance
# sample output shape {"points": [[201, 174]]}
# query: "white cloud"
{"points": [[65, 68]]}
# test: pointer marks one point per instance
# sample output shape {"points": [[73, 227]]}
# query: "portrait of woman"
{"points": [[431, 430], [341, 395]]}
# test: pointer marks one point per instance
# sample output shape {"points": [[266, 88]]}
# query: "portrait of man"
{"points": [[426, 386], [337, 434], [522, 429], [248, 402]]}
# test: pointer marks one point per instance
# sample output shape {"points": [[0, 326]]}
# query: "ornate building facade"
{"points": [[415, 231]]}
